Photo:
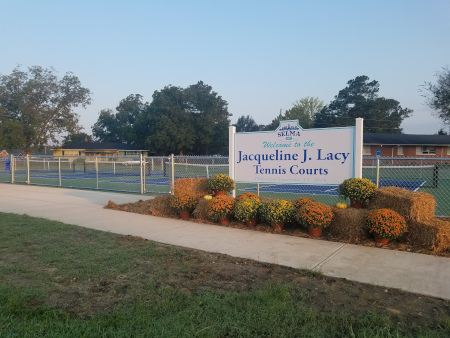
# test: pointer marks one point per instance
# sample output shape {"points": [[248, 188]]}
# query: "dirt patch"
{"points": [[145, 207], [88, 273], [198, 271]]}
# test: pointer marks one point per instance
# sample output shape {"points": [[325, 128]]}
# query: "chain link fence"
{"points": [[134, 174], [156, 175], [430, 175]]}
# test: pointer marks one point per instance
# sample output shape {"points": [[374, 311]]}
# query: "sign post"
{"points": [[232, 132]]}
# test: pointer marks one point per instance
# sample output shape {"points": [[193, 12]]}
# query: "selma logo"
{"points": [[289, 131]]}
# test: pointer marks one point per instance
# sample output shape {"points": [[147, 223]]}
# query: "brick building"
{"points": [[406, 145]]}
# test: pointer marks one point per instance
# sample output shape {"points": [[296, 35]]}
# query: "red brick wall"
{"points": [[408, 151]]}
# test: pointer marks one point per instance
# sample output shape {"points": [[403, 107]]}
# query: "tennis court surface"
{"points": [[330, 190]]}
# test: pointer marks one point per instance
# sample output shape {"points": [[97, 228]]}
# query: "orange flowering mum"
{"points": [[220, 207], [301, 201], [184, 201], [314, 215], [386, 223]]}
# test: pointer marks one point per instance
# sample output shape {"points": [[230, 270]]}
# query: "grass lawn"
{"points": [[59, 280]]}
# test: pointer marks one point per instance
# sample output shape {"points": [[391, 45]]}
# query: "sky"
{"points": [[260, 56]]}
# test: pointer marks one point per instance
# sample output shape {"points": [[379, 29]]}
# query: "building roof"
{"points": [[100, 146], [406, 139]]}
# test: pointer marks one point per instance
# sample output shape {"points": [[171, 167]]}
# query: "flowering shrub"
{"points": [[220, 182], [357, 189], [184, 201], [220, 207], [247, 209], [315, 215], [301, 201], [386, 223], [278, 211], [246, 196]]}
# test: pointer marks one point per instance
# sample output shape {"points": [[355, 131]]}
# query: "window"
{"points": [[400, 150], [132, 153], [367, 150], [426, 150], [448, 151]]}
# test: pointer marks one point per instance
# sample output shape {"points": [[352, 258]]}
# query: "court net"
{"points": [[125, 168], [44, 165], [185, 170], [426, 176]]}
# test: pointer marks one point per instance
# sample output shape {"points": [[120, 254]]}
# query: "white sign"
{"points": [[294, 155]]}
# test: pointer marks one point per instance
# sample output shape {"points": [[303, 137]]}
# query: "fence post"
{"points": [[172, 174], [144, 170], [378, 172], [28, 169], [141, 174], [96, 170], [13, 168], [59, 170]]}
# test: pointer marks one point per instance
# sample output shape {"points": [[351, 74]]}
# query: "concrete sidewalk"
{"points": [[417, 273]]}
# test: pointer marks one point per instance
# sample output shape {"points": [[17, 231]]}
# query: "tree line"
{"points": [[36, 107]]}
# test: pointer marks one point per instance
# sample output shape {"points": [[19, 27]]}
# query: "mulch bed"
{"points": [[148, 208]]}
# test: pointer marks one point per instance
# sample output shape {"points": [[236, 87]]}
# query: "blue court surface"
{"points": [[133, 178], [330, 190], [149, 181]]}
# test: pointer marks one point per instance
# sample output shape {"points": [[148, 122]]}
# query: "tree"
{"points": [[106, 129], [305, 110], [39, 106], [210, 118], [274, 124], [246, 124], [438, 97], [11, 134], [360, 99], [193, 120], [118, 127], [76, 138], [169, 126]]}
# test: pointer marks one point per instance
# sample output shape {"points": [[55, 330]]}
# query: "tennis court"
{"points": [[127, 175]]}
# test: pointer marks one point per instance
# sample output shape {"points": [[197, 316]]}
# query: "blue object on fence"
{"points": [[378, 152], [8, 164]]}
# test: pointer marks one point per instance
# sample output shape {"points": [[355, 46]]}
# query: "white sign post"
{"points": [[292, 155]]}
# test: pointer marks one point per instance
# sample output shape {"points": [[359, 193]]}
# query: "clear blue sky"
{"points": [[260, 56]]}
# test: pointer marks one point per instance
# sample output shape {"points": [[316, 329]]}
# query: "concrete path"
{"points": [[417, 273]]}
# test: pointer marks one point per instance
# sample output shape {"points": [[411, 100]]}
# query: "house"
{"points": [[94, 149], [406, 145]]}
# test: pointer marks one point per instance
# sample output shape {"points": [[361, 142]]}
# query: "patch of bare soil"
{"points": [[192, 271], [145, 207]]}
